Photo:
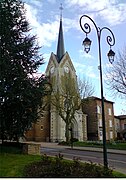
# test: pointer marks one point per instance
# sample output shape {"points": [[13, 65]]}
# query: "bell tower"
{"points": [[62, 75]]}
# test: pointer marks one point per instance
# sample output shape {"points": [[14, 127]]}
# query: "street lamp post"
{"points": [[87, 43]]}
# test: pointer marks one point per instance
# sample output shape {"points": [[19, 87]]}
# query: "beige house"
{"points": [[62, 75], [92, 107]]}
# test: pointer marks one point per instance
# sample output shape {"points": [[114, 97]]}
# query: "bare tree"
{"points": [[67, 101], [86, 88], [116, 75]]}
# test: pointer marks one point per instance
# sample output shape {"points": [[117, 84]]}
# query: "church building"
{"points": [[64, 111]]}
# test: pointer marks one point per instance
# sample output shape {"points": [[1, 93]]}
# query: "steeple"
{"points": [[60, 45]]}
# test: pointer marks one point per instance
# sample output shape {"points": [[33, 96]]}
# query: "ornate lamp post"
{"points": [[87, 43]]}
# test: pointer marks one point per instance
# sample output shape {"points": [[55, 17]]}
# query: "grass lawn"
{"points": [[118, 145], [12, 165]]}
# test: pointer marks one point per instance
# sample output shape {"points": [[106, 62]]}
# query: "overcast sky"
{"points": [[44, 16]]}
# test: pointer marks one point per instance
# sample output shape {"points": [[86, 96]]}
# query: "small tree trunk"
{"points": [[2, 136], [67, 132]]}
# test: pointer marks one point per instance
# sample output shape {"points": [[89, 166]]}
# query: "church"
{"points": [[64, 112]]}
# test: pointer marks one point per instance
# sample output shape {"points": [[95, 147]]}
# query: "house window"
{"points": [[42, 127], [109, 111], [100, 135], [110, 123], [111, 134], [98, 109], [124, 126], [100, 122]]}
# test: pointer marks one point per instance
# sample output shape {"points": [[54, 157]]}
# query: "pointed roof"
{"points": [[60, 45]]}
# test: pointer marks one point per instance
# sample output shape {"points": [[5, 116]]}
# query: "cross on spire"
{"points": [[61, 10]]}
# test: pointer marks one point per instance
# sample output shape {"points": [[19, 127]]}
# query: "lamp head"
{"points": [[111, 55], [87, 44]]}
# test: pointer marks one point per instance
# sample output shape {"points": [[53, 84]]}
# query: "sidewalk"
{"points": [[55, 145]]}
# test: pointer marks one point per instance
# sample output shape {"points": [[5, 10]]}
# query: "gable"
{"points": [[52, 62], [66, 61]]}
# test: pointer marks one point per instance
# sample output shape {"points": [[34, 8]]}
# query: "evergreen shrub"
{"points": [[58, 167]]}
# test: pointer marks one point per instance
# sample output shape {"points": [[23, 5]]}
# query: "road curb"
{"points": [[96, 150]]}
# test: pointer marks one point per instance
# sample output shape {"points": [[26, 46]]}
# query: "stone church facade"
{"points": [[62, 76]]}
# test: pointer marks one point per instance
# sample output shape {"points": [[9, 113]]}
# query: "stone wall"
{"points": [[31, 148]]}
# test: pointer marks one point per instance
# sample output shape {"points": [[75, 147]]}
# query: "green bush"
{"points": [[121, 141], [74, 140], [5, 148], [65, 143], [58, 167]]}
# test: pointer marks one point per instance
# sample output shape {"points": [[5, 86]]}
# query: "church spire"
{"points": [[60, 46]]}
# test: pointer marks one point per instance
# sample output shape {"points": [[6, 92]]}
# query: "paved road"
{"points": [[115, 161]]}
